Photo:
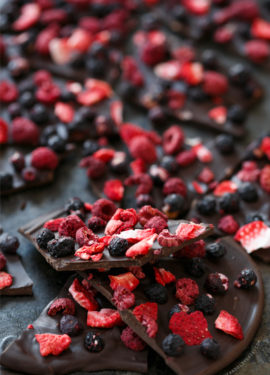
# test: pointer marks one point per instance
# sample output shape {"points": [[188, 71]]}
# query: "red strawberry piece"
{"points": [[116, 112], [214, 83], [60, 51], [192, 327], [224, 34], [265, 146], [147, 212], [24, 131], [91, 97], [131, 340], [228, 224], [136, 235], [137, 271], [92, 83], [257, 50], [52, 344], [173, 140], [206, 175], [187, 231], [144, 182], [41, 76], [169, 70], [194, 250], [96, 257], [198, 187], [260, 29], [8, 92], [85, 236], [229, 324], [52, 16], [30, 326], [167, 239], [157, 223], [45, 37], [121, 220], [175, 185], [114, 190], [246, 10], [202, 153], [123, 298], [142, 247], [48, 93], [104, 209], [80, 40], [62, 305], [87, 252], [64, 111], [187, 291], [69, 226], [5, 280], [105, 239], [84, 297], [184, 54], [218, 114], [175, 99], [163, 276], [197, 7], [29, 16], [88, 206], [127, 280], [146, 313], [249, 172], [53, 224], [254, 236], [224, 187], [138, 166], [142, 147], [3, 261], [265, 178], [192, 73], [3, 131], [44, 158], [186, 157], [105, 318]]}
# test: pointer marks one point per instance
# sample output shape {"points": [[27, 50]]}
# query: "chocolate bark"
{"points": [[246, 305], [23, 354]]}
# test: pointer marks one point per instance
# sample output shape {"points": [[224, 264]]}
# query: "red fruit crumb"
{"points": [[186, 157], [3, 261], [24, 131], [142, 147], [104, 209], [85, 236], [229, 324], [95, 168], [265, 178], [52, 344], [121, 220], [156, 222], [214, 83], [187, 291], [175, 185], [147, 313], [104, 154], [265, 146], [114, 190], [203, 153], [93, 251], [218, 114], [163, 276], [138, 166], [224, 187], [123, 298], [96, 223], [84, 297], [206, 175], [53, 224], [3, 131], [131, 340], [62, 305], [88, 207], [228, 224], [144, 182], [173, 140], [148, 212], [105, 318], [44, 158], [137, 271], [5, 280], [69, 226], [194, 250], [8, 92], [167, 239], [193, 328], [30, 326], [257, 50]]}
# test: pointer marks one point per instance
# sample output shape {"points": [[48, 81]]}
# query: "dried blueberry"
{"points": [[216, 283], [229, 203], [210, 348], [174, 205], [93, 342], [207, 205], [44, 237], [205, 303], [225, 144], [248, 192], [157, 116], [179, 14], [209, 59], [74, 204], [144, 200], [236, 114], [6, 181], [56, 143], [118, 246], [89, 147], [173, 345], [61, 247], [70, 325], [119, 164], [215, 250], [27, 99], [8, 243], [195, 266], [169, 163], [156, 293], [246, 279], [158, 174], [39, 114]]}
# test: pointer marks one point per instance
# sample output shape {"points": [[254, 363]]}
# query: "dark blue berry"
{"points": [[174, 205], [156, 293], [210, 348], [70, 325], [8, 243], [237, 114], [93, 342], [173, 345], [44, 237], [205, 303], [118, 246], [207, 205], [229, 203], [6, 181], [89, 148], [169, 163], [248, 192], [225, 144], [61, 247], [215, 250], [195, 266], [39, 114], [246, 279]]}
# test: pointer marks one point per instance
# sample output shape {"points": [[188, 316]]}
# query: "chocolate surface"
{"points": [[246, 305], [23, 354]]}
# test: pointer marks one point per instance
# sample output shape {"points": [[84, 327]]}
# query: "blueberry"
{"points": [[44, 237], [246, 279], [118, 246], [6, 181], [175, 309], [143, 200], [119, 164], [229, 203], [169, 163], [56, 143], [205, 303], [17, 160], [196, 94], [27, 99], [214, 283], [207, 205], [215, 250], [74, 204], [78, 61], [93, 342], [255, 217], [156, 293], [225, 144], [96, 67], [89, 148], [174, 205], [150, 22], [61, 247], [8, 243], [179, 13], [39, 114], [209, 59], [70, 325], [195, 266], [158, 174], [67, 96], [239, 74], [173, 345], [248, 192], [127, 91], [157, 116], [14, 109], [210, 348], [236, 114], [86, 113]]}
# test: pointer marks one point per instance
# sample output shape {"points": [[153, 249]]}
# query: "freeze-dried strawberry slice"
{"points": [[45, 37], [142, 247], [187, 231], [197, 7], [80, 40], [114, 190], [147, 313], [60, 51], [82, 296], [127, 280], [260, 28], [136, 235], [254, 236], [198, 187], [202, 153], [116, 112], [62, 305], [64, 111], [224, 187], [105, 318], [169, 70], [192, 327], [192, 73], [5, 280], [3, 131], [131, 71], [187, 290], [86, 252], [91, 97], [121, 220], [29, 16], [104, 154], [163, 276], [138, 166], [229, 324], [50, 343], [92, 83], [218, 114], [53, 224]]}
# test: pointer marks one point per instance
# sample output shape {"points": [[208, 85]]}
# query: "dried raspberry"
{"points": [[104, 209], [131, 340], [48, 93], [146, 313], [85, 236], [62, 305], [114, 190], [69, 226], [95, 168], [45, 37], [167, 239], [138, 166], [131, 71], [228, 224], [93, 251], [173, 140], [175, 185], [123, 298], [148, 212], [53, 15], [224, 34], [121, 220], [186, 158], [152, 53], [137, 271], [79, 40], [53, 224], [24, 131], [206, 175], [156, 222], [28, 17], [5, 280], [265, 178], [44, 158], [3, 131], [265, 146], [175, 99], [42, 76], [8, 92], [257, 50], [187, 291], [91, 24], [3, 261], [194, 250], [96, 223], [249, 172], [214, 83], [142, 147], [143, 180]]}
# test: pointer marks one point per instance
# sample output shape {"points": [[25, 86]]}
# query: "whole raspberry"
{"points": [[142, 147], [257, 50], [173, 140], [175, 185], [3, 261], [69, 226], [96, 224], [104, 209], [151, 53], [214, 83], [156, 222], [24, 131], [249, 172], [48, 93], [148, 212], [131, 340], [85, 236], [62, 305], [265, 178], [44, 158], [123, 298], [186, 157], [228, 224], [8, 92], [42, 76], [96, 168]]}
